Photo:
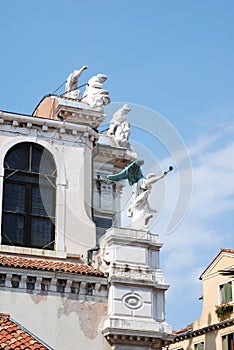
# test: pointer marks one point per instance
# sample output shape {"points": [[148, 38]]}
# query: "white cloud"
{"points": [[190, 248]]}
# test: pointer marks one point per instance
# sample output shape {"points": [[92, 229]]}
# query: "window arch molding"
{"points": [[61, 173], [27, 181]]}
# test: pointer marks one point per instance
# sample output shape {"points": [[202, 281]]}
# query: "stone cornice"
{"points": [[153, 339], [79, 286], [135, 280], [30, 122], [135, 237]]}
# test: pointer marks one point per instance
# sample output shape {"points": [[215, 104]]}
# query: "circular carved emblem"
{"points": [[132, 301]]}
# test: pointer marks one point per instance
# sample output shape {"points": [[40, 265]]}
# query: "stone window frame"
{"points": [[226, 347], [60, 190], [196, 345], [26, 185], [222, 298]]}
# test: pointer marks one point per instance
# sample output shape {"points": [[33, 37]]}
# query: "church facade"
{"points": [[69, 272]]}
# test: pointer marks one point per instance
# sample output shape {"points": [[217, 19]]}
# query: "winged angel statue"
{"points": [[139, 209]]}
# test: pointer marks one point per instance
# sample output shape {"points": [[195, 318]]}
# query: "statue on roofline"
{"points": [[139, 209], [95, 95], [71, 89], [119, 127]]}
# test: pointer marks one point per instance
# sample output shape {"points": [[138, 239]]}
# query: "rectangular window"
{"points": [[226, 292], [75, 287], [61, 285], [15, 281], [30, 283], [45, 284], [228, 342], [90, 288], [2, 279], [199, 346]]}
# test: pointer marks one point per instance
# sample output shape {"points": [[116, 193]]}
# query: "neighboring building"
{"points": [[214, 330], [68, 272]]}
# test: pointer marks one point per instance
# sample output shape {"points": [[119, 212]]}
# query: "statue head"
{"points": [[139, 162], [101, 78], [126, 108]]}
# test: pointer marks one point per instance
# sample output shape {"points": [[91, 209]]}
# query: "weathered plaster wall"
{"points": [[62, 322]]}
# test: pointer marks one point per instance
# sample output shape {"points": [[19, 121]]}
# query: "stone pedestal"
{"points": [[136, 304]]}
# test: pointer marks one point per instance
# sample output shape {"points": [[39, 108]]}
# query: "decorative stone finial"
{"points": [[119, 127]]}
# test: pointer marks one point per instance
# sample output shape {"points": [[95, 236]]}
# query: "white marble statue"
{"points": [[122, 134], [95, 95], [139, 210], [71, 89], [119, 128]]}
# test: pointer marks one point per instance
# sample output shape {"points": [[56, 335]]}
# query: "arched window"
{"points": [[29, 197]]}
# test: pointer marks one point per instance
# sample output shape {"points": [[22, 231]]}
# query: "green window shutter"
{"points": [[226, 292], [225, 343], [200, 346]]}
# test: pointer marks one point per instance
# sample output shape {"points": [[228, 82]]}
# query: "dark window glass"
{"points": [[45, 284], [13, 229], [15, 280], [29, 197], [75, 287], [61, 285], [43, 200], [30, 283], [18, 158], [2, 279], [14, 197]]}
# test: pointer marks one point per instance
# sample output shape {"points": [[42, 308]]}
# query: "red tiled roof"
{"points": [[185, 329], [222, 250], [12, 337], [231, 251], [48, 265]]}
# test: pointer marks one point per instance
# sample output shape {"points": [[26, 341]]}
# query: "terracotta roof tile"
{"points": [[48, 265], [222, 250], [185, 329], [14, 337], [227, 250]]}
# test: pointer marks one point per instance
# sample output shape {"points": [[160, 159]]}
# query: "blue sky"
{"points": [[173, 57]]}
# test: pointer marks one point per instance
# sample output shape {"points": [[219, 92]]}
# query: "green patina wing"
{"points": [[132, 172]]}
